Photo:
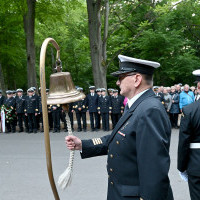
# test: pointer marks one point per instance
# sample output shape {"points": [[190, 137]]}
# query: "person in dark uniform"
{"points": [[98, 91], [160, 95], [92, 103], [189, 145], [49, 113], [36, 96], [110, 92], [2, 98], [138, 147], [39, 116], [11, 103], [104, 108], [31, 110], [14, 92], [117, 107], [80, 108], [20, 105], [56, 109]]}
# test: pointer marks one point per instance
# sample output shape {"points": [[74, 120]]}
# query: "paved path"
{"points": [[23, 173]]}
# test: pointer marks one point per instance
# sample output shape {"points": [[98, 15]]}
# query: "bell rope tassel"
{"points": [[65, 178]]}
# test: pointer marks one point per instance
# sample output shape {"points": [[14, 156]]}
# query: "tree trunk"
{"points": [[106, 15], [29, 29], [94, 24], [2, 82]]}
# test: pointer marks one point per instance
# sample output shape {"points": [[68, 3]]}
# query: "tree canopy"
{"points": [[165, 31]]}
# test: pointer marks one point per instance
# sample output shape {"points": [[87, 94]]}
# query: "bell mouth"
{"points": [[64, 98]]}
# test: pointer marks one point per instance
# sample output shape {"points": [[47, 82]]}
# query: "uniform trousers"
{"points": [[56, 119], [98, 126], [194, 187], [26, 123], [93, 115], [173, 119], [10, 125], [115, 117], [105, 121], [32, 123], [21, 118], [81, 115], [40, 119], [50, 119]]}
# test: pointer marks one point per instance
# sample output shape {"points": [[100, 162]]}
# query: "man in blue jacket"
{"points": [[186, 97], [138, 148]]}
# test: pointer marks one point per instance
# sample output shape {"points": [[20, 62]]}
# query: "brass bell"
{"points": [[62, 89]]}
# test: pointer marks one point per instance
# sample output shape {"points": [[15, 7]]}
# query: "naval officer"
{"points": [[138, 147], [189, 144]]}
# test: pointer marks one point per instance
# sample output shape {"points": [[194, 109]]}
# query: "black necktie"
{"points": [[126, 108]]}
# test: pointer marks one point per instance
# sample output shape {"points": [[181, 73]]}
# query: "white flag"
{"points": [[3, 121]]}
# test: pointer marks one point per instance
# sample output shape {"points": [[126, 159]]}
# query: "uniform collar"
{"points": [[131, 101]]}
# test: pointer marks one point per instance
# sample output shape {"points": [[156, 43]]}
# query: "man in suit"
{"points": [[92, 103], [138, 148], [189, 145]]}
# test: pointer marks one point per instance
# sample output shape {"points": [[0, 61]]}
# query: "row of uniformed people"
{"points": [[29, 110]]}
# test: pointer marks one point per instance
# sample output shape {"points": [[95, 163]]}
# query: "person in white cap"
{"points": [[138, 147], [189, 145]]}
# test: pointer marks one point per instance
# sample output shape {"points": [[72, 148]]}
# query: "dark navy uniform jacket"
{"points": [[2, 100], [92, 102], [104, 104], [189, 159], [20, 104], [138, 152], [31, 105], [11, 102], [117, 104], [39, 104], [80, 104]]}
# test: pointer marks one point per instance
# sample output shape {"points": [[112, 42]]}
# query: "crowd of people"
{"points": [[26, 110]]}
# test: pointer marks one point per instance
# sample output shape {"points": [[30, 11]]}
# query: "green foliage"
{"points": [[162, 32]]}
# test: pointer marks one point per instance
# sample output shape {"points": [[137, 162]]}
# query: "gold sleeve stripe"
{"points": [[97, 141], [94, 141]]}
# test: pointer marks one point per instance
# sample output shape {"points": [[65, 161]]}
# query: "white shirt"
{"points": [[132, 101]]}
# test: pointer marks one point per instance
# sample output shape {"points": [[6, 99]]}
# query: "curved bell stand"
{"points": [[62, 91]]}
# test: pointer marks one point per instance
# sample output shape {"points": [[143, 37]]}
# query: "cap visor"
{"points": [[117, 73]]}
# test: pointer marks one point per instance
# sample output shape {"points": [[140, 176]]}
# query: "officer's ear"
{"points": [[137, 80]]}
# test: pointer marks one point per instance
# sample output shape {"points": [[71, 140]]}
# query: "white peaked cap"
{"points": [[128, 64], [139, 61]]}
